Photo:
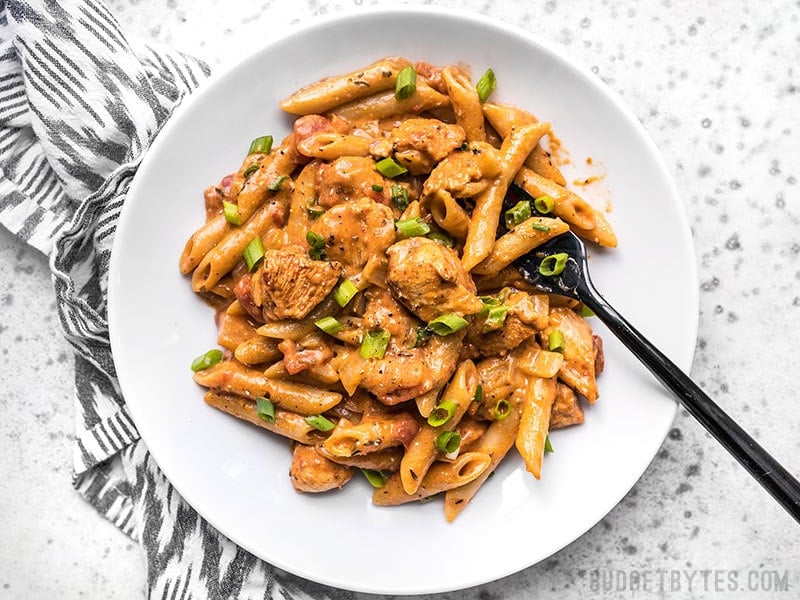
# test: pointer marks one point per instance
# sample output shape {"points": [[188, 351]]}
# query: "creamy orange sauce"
{"points": [[558, 154], [593, 184]]}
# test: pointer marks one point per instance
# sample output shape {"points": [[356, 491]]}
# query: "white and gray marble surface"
{"points": [[717, 86]]}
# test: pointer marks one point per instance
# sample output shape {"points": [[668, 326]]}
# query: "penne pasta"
{"points": [[228, 252], [202, 242], [427, 401], [440, 478], [234, 329], [584, 219], [385, 104], [257, 350], [503, 119], [380, 460], [286, 330], [321, 96], [330, 146], [496, 442], [231, 377], [286, 424], [448, 214], [488, 206], [526, 236], [259, 186], [465, 102], [535, 421], [422, 451]]}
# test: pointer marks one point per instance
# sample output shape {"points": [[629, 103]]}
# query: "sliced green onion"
{"points": [[555, 341], [441, 238], [442, 413], [501, 410], [548, 447], [448, 441], [517, 214], [478, 394], [209, 359], [412, 227], [553, 264], [495, 318], [345, 292], [488, 303], [486, 85], [586, 311], [253, 253], [313, 209], [389, 168], [423, 335], [329, 325], [250, 170], [320, 422], [315, 240], [317, 243], [376, 188], [265, 410], [406, 83], [447, 324], [231, 212], [544, 204], [261, 145], [400, 197], [540, 227], [376, 478], [276, 185], [374, 344]]}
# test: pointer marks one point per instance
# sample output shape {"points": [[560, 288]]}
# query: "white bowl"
{"points": [[235, 474]]}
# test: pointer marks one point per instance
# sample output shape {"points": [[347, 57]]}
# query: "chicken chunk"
{"points": [[356, 231], [407, 369], [312, 472], [578, 368], [464, 174], [287, 285], [501, 342], [350, 178], [421, 143], [430, 280], [566, 409]]}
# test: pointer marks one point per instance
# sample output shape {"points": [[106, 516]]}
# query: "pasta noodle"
{"points": [[366, 303]]}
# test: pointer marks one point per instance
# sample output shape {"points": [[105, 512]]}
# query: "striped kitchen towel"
{"points": [[79, 105]]}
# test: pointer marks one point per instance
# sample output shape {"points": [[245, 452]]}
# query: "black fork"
{"points": [[574, 281]]}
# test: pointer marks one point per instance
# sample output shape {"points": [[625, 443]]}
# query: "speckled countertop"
{"points": [[717, 86]]}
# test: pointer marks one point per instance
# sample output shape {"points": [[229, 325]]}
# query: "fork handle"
{"points": [[783, 486]]}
